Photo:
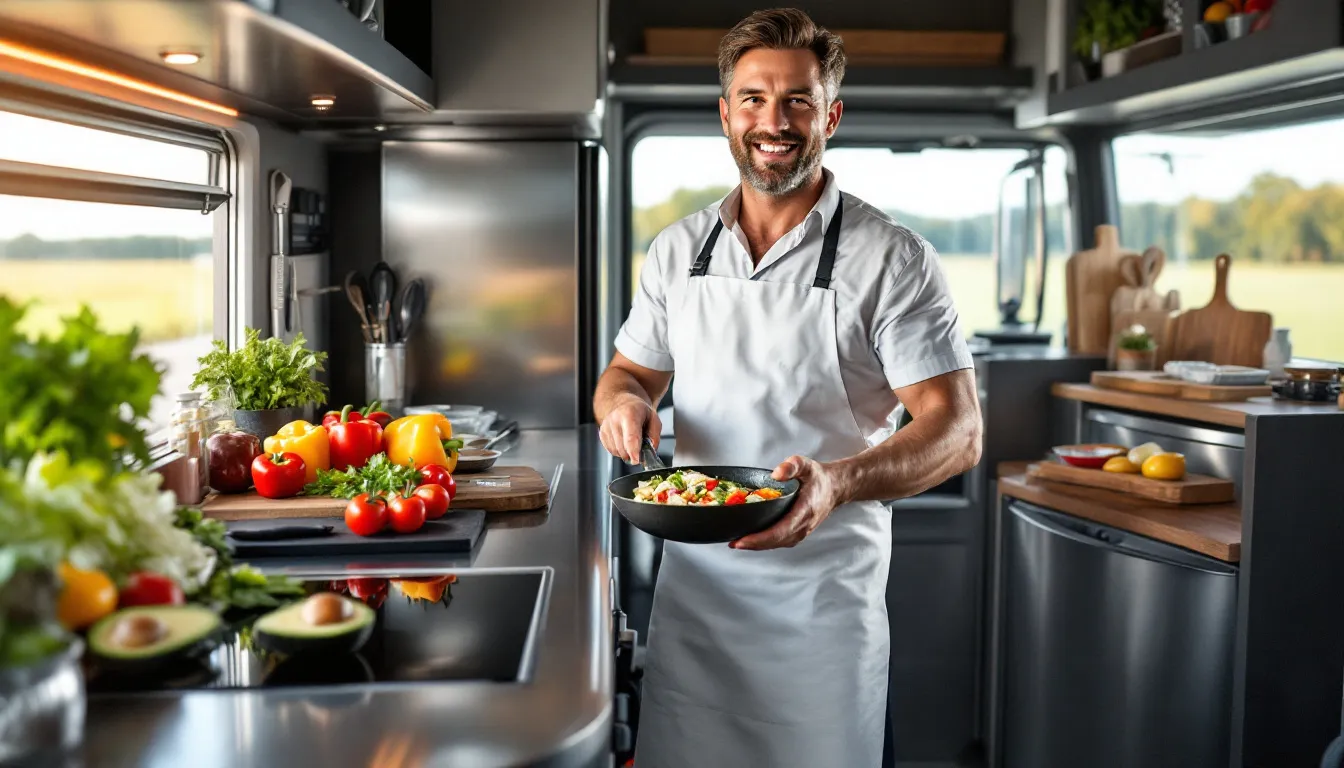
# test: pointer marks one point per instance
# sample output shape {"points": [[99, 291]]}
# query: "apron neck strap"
{"points": [[830, 242]]}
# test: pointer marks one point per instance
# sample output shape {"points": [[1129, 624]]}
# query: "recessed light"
{"points": [[380, 128], [324, 102], [180, 58]]}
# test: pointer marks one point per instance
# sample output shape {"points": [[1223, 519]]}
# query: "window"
{"points": [[1271, 199], [146, 265], [949, 196]]}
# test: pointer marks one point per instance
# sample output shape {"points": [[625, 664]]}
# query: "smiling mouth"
{"points": [[775, 151]]}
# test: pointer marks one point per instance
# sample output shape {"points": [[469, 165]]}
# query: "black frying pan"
{"points": [[701, 525]]}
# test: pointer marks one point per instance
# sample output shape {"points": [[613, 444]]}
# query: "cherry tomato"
{"points": [[436, 500], [145, 588], [365, 516], [433, 474], [406, 513]]}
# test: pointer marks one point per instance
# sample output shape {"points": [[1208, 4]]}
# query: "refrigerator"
{"points": [[508, 238]]}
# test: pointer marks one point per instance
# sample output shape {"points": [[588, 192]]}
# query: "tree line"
{"points": [[135, 247], [1273, 220]]}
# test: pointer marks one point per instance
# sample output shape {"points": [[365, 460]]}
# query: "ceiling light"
{"points": [[324, 102], [41, 58], [180, 58]]}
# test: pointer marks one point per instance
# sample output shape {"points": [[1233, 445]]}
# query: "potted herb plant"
{"points": [[270, 382], [1106, 26], [1135, 350]]}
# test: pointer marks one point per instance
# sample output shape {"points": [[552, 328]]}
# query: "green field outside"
{"points": [[1307, 298], [167, 298]]}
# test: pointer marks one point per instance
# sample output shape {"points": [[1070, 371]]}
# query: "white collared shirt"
{"points": [[895, 320]]}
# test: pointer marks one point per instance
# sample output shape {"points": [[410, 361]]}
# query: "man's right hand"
{"points": [[623, 429]]}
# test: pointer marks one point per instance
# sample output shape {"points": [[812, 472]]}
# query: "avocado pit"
{"points": [[137, 631], [326, 608]]}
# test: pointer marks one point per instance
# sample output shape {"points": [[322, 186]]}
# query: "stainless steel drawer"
{"points": [[1208, 451]]}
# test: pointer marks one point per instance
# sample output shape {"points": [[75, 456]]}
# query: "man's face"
{"points": [[777, 119]]}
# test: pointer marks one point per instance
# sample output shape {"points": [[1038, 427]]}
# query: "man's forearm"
{"points": [[938, 445], [616, 386]]}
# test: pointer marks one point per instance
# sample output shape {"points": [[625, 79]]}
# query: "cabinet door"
{"points": [[528, 56], [933, 603]]}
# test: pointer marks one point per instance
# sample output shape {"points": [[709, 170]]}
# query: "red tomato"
{"points": [[736, 497], [145, 588], [436, 500], [406, 513], [711, 484], [662, 496], [433, 474], [365, 517]]}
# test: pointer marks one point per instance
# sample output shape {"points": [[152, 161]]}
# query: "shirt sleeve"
{"points": [[916, 331], [643, 335]]}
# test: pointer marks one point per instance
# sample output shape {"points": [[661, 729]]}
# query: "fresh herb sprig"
{"points": [[263, 373], [378, 476]]}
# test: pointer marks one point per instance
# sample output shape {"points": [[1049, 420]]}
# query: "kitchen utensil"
{"points": [[1192, 489], [508, 429], [1091, 278], [410, 308], [1165, 385], [526, 490], [475, 460], [1137, 293], [282, 278], [382, 284], [456, 531], [354, 292], [701, 525], [1090, 456], [1219, 332]]}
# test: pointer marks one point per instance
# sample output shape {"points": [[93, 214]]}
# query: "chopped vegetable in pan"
{"points": [[682, 489]]}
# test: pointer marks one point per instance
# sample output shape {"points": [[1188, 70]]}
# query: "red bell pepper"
{"points": [[278, 475], [369, 413], [353, 442]]}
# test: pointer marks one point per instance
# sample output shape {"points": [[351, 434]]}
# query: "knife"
{"points": [[280, 532]]}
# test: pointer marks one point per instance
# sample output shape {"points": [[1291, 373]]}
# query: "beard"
{"points": [[777, 178]]}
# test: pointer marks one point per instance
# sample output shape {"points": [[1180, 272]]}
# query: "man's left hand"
{"points": [[819, 494]]}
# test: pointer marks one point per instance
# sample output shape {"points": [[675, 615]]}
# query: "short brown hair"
{"points": [[783, 28]]}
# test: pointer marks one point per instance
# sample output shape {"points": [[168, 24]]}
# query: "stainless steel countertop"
{"points": [[563, 716]]}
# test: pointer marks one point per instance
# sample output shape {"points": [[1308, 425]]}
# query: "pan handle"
{"points": [[649, 457]]}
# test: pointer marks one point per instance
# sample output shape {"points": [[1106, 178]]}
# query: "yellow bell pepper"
{"points": [[422, 440], [309, 441]]}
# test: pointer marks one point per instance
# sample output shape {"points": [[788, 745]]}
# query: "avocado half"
{"points": [[285, 631], [188, 631]]}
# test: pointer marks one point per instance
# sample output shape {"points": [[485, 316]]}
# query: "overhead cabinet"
{"points": [[294, 61], [1290, 52]]}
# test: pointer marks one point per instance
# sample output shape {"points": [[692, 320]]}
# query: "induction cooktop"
{"points": [[443, 626]]}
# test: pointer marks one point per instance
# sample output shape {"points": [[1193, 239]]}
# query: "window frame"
{"points": [[220, 195]]}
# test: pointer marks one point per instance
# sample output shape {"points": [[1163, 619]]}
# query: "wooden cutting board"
{"points": [[1156, 383], [1091, 278], [1140, 274], [1192, 489], [1158, 322], [1220, 333], [527, 490]]}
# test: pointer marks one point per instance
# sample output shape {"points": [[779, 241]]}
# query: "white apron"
{"points": [[776, 658]]}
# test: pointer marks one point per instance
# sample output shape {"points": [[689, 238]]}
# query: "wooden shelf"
{"points": [[1223, 414], [1209, 529]]}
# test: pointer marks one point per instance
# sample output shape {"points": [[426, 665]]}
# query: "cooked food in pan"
{"points": [[681, 489]]}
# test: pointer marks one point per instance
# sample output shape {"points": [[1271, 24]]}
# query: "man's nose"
{"points": [[776, 118]]}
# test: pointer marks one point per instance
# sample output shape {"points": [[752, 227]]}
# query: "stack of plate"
{"points": [[1198, 372]]}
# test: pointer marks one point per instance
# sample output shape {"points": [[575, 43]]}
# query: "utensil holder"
{"points": [[385, 374]]}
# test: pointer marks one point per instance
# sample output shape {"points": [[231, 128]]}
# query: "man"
{"points": [[797, 319]]}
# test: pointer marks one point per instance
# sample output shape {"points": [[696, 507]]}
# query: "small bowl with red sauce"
{"points": [[1089, 455]]}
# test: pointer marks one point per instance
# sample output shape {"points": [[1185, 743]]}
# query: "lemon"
{"points": [[1164, 466], [1120, 464], [1139, 453]]}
